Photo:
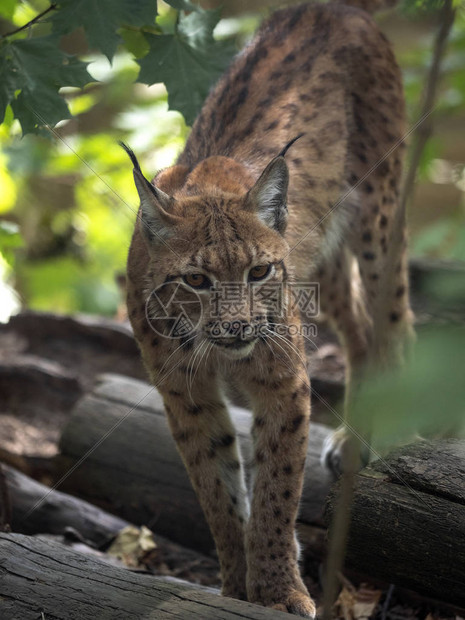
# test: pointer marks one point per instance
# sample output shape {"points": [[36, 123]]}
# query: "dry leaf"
{"points": [[345, 602], [366, 601], [132, 544], [358, 604], [363, 610]]}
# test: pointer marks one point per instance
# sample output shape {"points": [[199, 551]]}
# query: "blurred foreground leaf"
{"points": [[426, 396], [33, 70]]}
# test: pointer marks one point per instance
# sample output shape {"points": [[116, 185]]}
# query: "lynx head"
{"points": [[214, 237]]}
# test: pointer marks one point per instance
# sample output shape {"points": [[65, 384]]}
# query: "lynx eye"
{"points": [[259, 272], [197, 280]]}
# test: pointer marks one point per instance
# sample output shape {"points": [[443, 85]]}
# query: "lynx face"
{"points": [[220, 257]]}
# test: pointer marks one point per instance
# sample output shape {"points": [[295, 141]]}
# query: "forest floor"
{"points": [[47, 363]]}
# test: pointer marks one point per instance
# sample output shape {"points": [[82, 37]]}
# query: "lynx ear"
{"points": [[268, 197], [156, 223]]}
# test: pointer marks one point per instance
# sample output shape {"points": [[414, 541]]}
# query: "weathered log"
{"points": [[87, 346], [40, 579], [29, 507], [126, 461], [84, 328], [408, 519], [37, 394], [36, 508]]}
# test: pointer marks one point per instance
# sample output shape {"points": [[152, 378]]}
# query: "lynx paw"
{"points": [[297, 603], [336, 453]]}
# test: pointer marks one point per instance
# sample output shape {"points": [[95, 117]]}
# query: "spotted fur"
{"points": [[235, 201]]}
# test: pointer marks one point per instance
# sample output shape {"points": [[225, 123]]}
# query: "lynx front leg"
{"points": [[206, 440], [282, 412]]}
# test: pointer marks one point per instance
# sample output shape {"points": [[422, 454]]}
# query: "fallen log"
{"points": [[117, 452], [408, 519], [29, 507], [37, 395], [36, 508], [86, 346], [41, 579]]}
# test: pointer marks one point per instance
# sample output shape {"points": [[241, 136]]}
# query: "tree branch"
{"points": [[339, 528], [38, 17], [423, 133]]}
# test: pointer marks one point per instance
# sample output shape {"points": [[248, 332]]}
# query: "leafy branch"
{"points": [[33, 70], [30, 23]]}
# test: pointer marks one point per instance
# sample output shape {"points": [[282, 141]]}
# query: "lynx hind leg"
{"points": [[378, 238], [374, 169], [380, 325], [380, 245], [342, 303], [381, 250]]}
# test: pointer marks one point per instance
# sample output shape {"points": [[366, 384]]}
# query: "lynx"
{"points": [[290, 174]]}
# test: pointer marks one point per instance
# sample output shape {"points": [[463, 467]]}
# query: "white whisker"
{"points": [[190, 374], [275, 337], [178, 348], [290, 344], [303, 335]]}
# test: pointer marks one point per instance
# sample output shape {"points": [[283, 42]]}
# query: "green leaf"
{"points": [[135, 42], [8, 81], [38, 68], [188, 62], [101, 19], [34, 109]]}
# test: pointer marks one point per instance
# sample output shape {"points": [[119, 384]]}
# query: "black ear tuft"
{"points": [[155, 220], [136, 165], [130, 152], [289, 144]]}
